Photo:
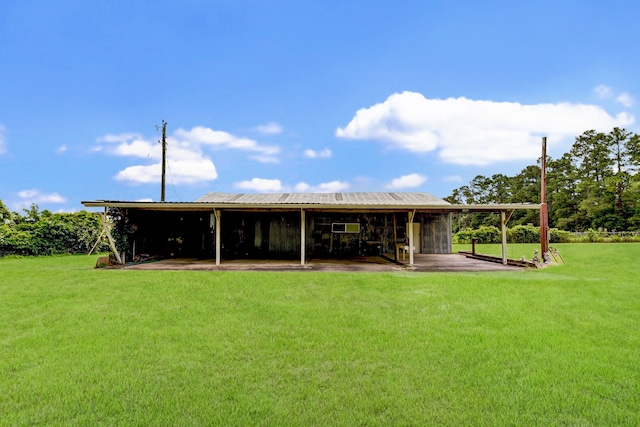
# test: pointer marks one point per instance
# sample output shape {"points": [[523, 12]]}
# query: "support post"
{"points": [[112, 244], [544, 209], [303, 232], [503, 225], [217, 213], [395, 238], [411, 216], [96, 243]]}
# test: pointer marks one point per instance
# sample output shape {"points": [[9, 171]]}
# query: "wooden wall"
{"points": [[436, 233]]}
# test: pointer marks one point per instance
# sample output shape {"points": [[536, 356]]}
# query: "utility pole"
{"points": [[544, 210], [164, 157]]}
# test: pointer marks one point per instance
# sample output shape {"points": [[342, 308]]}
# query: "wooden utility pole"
{"points": [[164, 157], [544, 210]]}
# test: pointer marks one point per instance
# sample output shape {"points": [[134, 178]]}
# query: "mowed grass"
{"points": [[558, 346]]}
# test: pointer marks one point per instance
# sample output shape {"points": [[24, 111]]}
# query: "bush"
{"points": [[488, 235], [483, 234], [16, 242], [46, 233], [524, 234], [592, 236], [463, 236], [559, 236]]}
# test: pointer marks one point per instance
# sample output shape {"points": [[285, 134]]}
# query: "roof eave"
{"points": [[294, 206]]}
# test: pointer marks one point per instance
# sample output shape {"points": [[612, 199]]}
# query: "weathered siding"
{"points": [[258, 234], [284, 235], [436, 233]]}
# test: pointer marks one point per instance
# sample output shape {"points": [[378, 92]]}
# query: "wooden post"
{"points": [[395, 238], [503, 223], [411, 216], [164, 158], [218, 243], [97, 241], [112, 244], [303, 232], [544, 210]]}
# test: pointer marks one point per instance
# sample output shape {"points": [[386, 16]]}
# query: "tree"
{"points": [[624, 147], [594, 185], [5, 214], [562, 194]]}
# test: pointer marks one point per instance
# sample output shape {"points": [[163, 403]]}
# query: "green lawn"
{"points": [[558, 346]]}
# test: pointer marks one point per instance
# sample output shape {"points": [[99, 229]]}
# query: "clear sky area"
{"points": [[300, 96]]}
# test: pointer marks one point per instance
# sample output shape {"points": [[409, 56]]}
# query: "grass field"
{"points": [[558, 346]]}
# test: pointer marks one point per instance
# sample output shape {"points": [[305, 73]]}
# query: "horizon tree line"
{"points": [[595, 185]]}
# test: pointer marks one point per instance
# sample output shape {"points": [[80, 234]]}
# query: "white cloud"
{"points": [[121, 137], [178, 172], [147, 199], [266, 159], [3, 140], [326, 187], [323, 154], [62, 149], [465, 131], [217, 138], [270, 128], [622, 98], [261, 185], [187, 158], [275, 185], [407, 181], [28, 197], [603, 91], [625, 99], [37, 196]]}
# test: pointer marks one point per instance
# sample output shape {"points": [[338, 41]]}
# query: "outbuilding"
{"points": [[292, 225]]}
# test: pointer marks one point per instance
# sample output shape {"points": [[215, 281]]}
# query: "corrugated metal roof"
{"points": [[338, 199], [346, 201]]}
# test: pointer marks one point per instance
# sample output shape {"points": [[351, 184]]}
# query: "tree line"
{"points": [[36, 232], [595, 185]]}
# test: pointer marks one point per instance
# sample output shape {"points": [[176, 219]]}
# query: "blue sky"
{"points": [[299, 96]]}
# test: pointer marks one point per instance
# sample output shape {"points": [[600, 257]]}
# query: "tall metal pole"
{"points": [[164, 157], [544, 210]]}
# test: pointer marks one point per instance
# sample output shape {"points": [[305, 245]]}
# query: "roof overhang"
{"points": [[209, 206]]}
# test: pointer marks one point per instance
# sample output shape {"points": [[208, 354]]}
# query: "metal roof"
{"points": [[340, 201]]}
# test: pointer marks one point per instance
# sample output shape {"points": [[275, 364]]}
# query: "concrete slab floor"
{"points": [[422, 263]]}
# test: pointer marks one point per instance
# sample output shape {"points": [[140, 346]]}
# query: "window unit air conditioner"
{"points": [[345, 227]]}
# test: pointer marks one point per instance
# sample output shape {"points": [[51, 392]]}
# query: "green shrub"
{"points": [[488, 235], [559, 236], [483, 234], [46, 233], [463, 236], [592, 236], [16, 242], [524, 234]]}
